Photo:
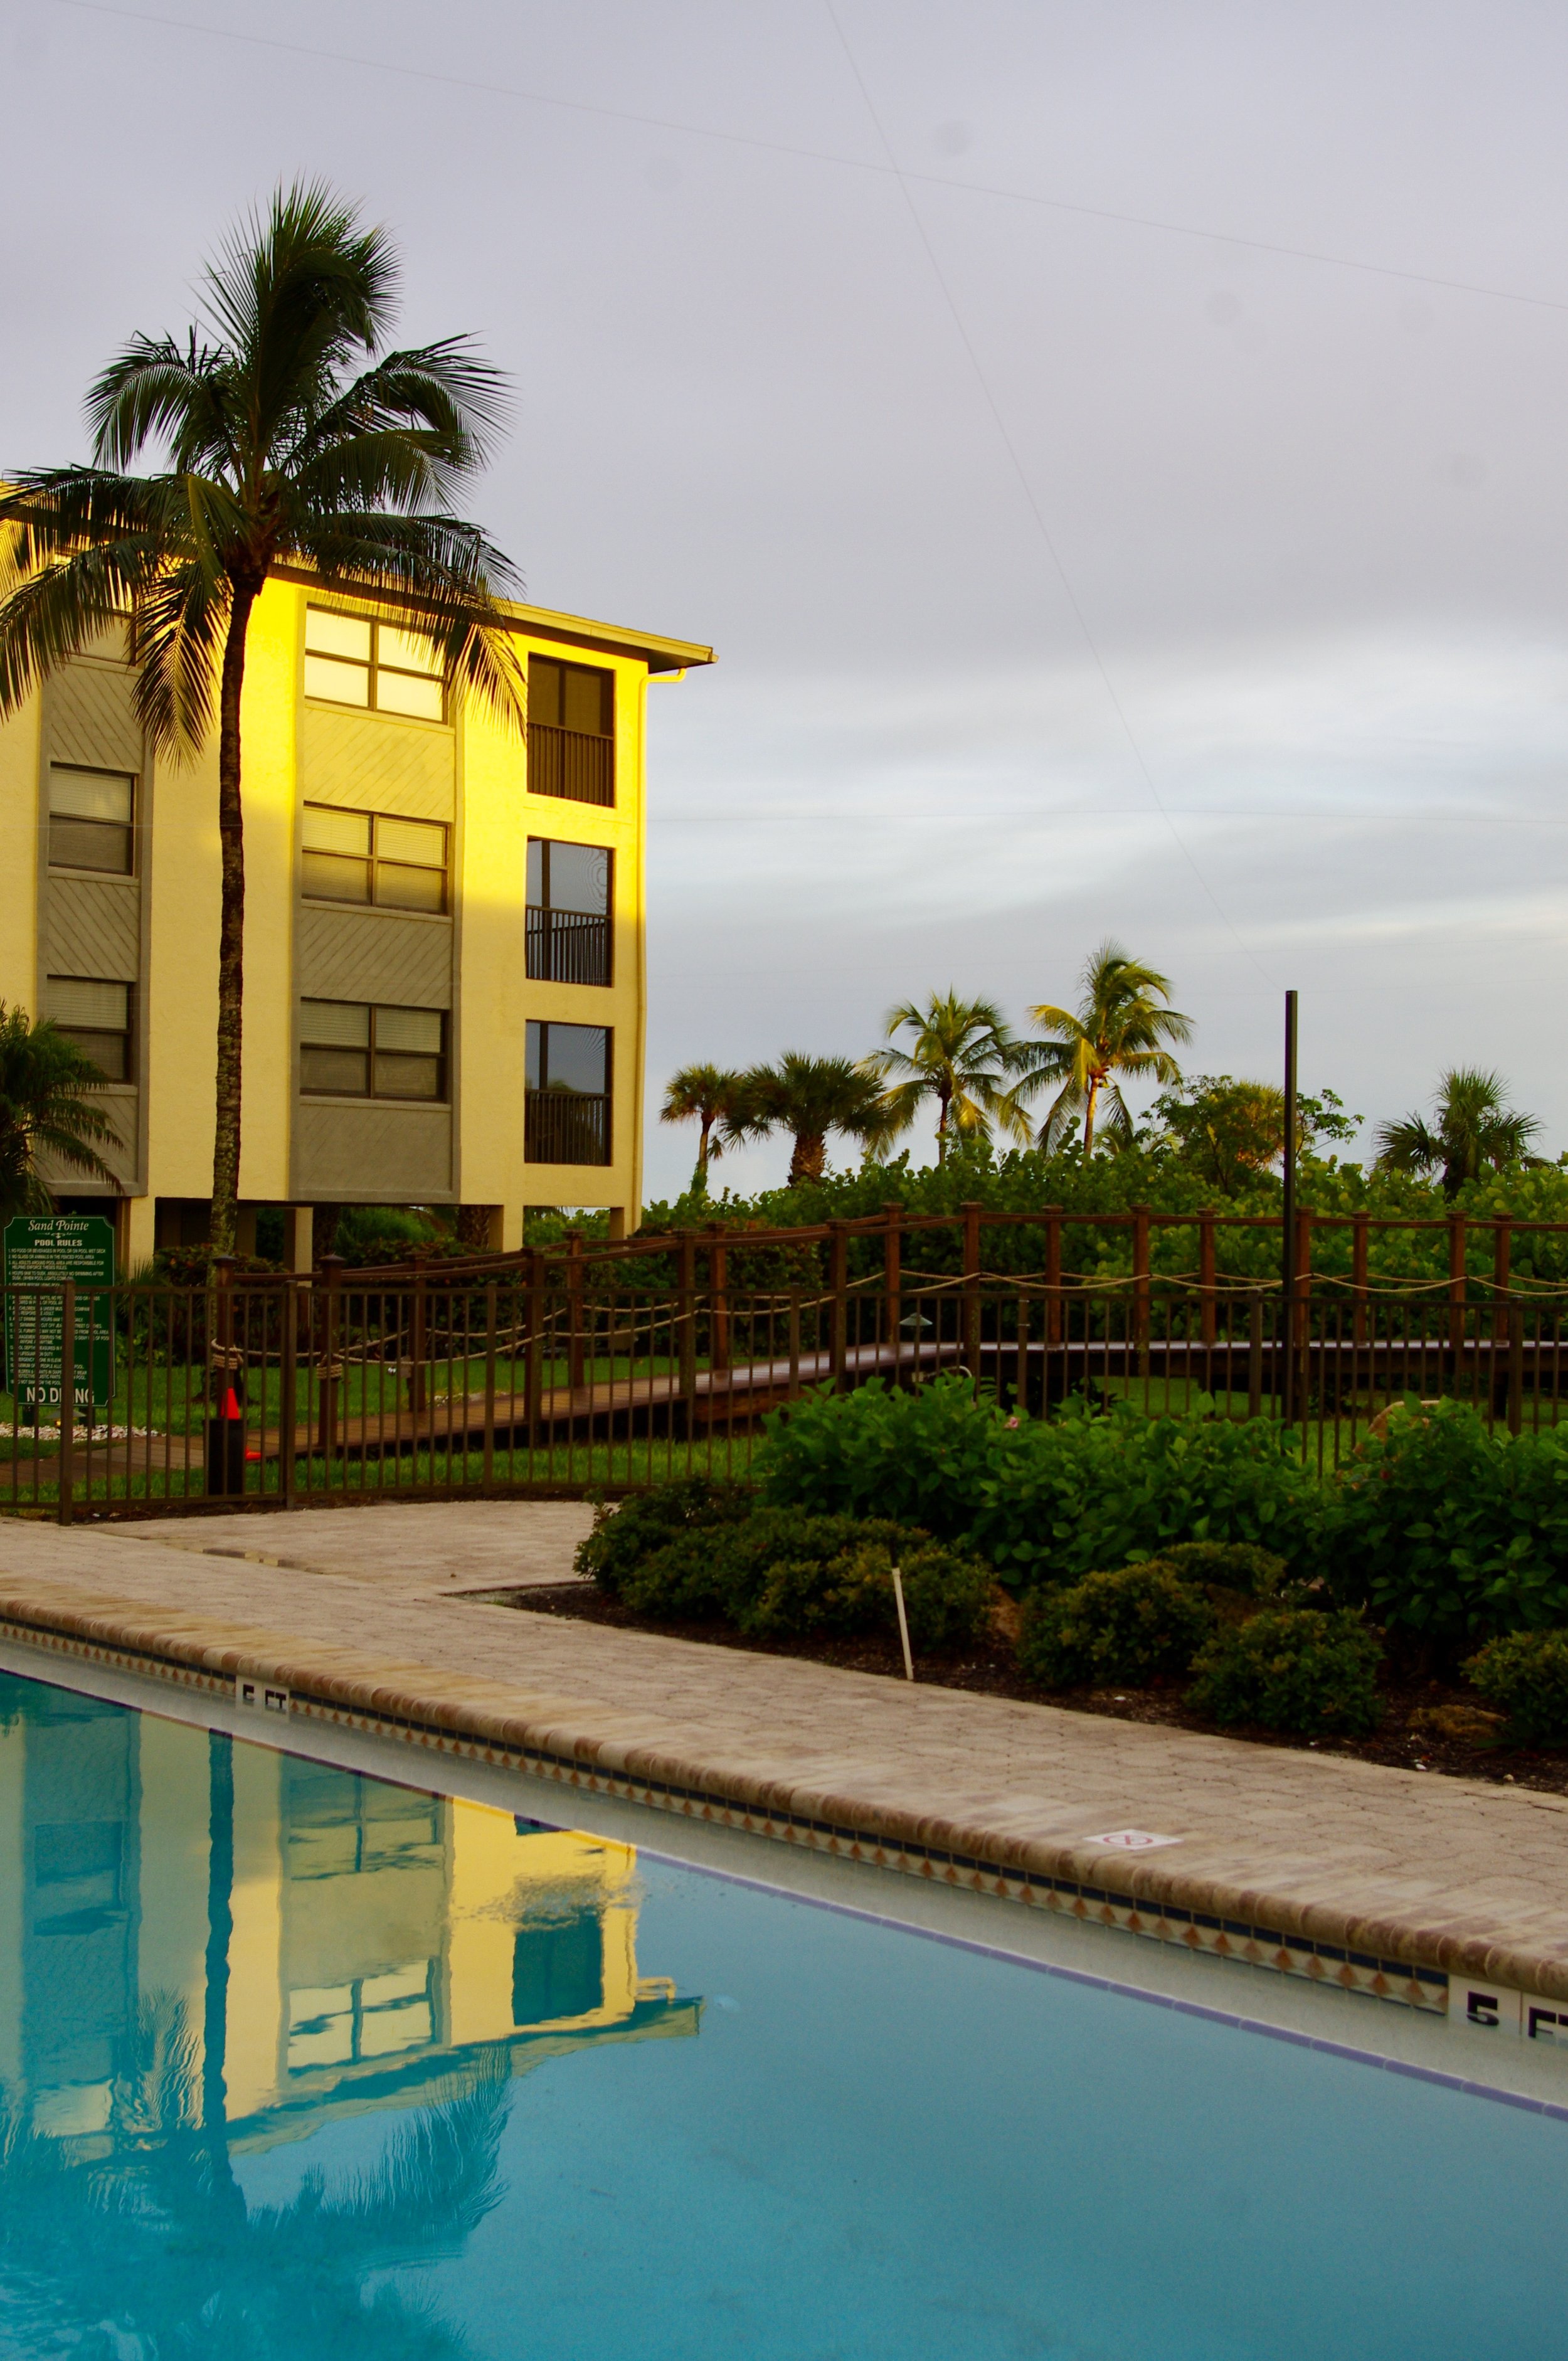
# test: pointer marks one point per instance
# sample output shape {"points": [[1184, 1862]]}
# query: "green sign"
{"points": [[42, 1251]]}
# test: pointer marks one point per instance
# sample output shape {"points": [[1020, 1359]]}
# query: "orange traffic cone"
{"points": [[231, 1407]]}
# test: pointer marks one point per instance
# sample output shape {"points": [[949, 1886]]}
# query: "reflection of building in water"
{"points": [[319, 1940]]}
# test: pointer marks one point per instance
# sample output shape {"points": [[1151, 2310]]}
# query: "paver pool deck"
{"points": [[360, 1612]]}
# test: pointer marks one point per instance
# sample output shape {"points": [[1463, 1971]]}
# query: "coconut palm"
{"points": [[1121, 1026], [811, 1098], [961, 1056], [273, 454], [1473, 1127], [46, 1107], [710, 1096]]}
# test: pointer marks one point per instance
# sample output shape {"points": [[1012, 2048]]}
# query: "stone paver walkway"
{"points": [[405, 1546], [1432, 1870]]}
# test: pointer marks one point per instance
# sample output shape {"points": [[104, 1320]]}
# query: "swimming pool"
{"points": [[297, 2062]]}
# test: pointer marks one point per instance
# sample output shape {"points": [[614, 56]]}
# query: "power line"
{"points": [[1065, 205]]}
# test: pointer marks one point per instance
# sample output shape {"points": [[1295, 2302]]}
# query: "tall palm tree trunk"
{"points": [[1088, 1119], [231, 930], [809, 1157]]}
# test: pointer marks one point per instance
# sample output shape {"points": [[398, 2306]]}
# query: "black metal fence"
{"points": [[287, 1390]]}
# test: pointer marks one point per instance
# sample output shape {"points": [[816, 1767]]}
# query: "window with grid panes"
{"points": [[351, 1049], [96, 1015], [371, 857], [90, 820], [355, 659]]}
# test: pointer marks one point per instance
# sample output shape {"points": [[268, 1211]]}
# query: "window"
{"points": [[349, 1050], [569, 898], [364, 857], [351, 660], [90, 816], [570, 731], [96, 1016], [567, 1101]]}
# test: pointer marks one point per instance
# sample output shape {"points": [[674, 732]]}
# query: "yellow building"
{"points": [[444, 996]]}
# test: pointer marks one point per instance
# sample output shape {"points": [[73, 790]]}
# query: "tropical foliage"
{"points": [[809, 1099], [288, 435], [714, 1099], [961, 1057], [1473, 1130], [1122, 1027], [48, 1107]]}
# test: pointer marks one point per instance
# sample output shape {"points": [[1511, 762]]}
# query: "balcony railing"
{"points": [[567, 947], [567, 1127], [570, 762]]}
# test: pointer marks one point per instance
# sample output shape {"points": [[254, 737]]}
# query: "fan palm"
{"points": [[275, 455], [1121, 1026], [1473, 1127], [710, 1096], [46, 1107], [810, 1098], [961, 1056]]}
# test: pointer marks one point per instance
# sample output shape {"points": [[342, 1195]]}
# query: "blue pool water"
{"points": [[299, 2063]]}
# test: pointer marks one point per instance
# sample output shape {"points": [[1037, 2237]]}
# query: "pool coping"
{"points": [[1157, 1894]]}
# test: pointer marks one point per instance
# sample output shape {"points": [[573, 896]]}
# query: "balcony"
{"points": [[570, 762], [567, 1127], [567, 947]]}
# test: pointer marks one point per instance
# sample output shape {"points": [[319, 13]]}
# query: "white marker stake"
{"points": [[902, 1623]]}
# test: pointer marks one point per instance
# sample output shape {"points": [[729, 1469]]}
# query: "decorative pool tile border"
{"points": [[1397, 1981]]}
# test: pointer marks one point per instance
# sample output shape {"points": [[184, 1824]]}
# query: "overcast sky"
{"points": [[1117, 451]]}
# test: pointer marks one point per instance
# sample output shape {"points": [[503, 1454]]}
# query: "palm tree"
{"points": [[1474, 1128], [707, 1095], [45, 1108], [1118, 1027], [961, 1056], [809, 1098], [274, 456]]}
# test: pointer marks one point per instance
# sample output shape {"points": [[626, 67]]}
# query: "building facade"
{"points": [[445, 972]]}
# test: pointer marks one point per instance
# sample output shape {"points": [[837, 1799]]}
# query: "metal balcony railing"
{"points": [[570, 762], [567, 947], [567, 1127]]}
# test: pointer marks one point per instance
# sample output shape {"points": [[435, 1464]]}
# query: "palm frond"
{"points": [[156, 389]]}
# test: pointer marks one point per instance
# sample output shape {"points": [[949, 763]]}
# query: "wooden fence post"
{"points": [[1502, 1269], [1141, 1286], [1457, 1290], [839, 1280], [533, 1350], [290, 1299], [1206, 1274], [1301, 1308], [1053, 1276], [1359, 1228], [970, 1212], [491, 1323], [686, 1314], [718, 1301], [892, 1256], [331, 1373], [574, 1276], [419, 1350]]}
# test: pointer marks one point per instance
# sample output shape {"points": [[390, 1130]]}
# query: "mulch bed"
{"points": [[989, 1668]]}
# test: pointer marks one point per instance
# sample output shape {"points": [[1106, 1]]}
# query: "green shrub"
{"points": [[1290, 1668], [624, 1535], [1443, 1528], [1525, 1675], [1129, 1625], [920, 1456], [1241, 1567], [947, 1594], [1046, 1500], [782, 1573]]}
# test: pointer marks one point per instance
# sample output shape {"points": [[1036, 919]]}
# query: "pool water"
{"points": [[299, 2063]]}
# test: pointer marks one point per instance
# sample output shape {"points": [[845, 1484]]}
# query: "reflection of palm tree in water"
{"points": [[154, 2253]]}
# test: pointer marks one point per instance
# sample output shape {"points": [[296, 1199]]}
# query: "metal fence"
{"points": [[563, 1378]]}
